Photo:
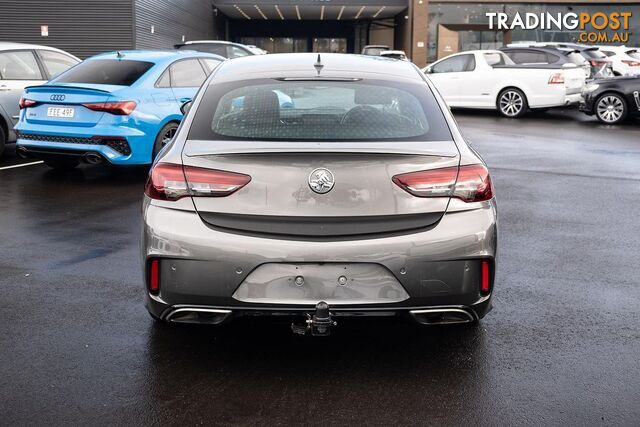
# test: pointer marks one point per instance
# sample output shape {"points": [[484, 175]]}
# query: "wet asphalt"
{"points": [[562, 345]]}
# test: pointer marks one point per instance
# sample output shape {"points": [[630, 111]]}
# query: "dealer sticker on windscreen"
{"points": [[61, 112]]}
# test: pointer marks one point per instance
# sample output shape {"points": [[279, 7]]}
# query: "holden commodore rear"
{"points": [[360, 198]]}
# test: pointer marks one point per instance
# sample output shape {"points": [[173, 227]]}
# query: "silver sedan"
{"points": [[357, 196]]}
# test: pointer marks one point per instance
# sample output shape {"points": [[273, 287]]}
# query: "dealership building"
{"points": [[425, 29]]}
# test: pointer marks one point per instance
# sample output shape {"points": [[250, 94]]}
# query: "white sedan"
{"points": [[488, 79], [624, 60]]}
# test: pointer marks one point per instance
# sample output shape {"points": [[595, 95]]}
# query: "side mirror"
{"points": [[184, 108]]}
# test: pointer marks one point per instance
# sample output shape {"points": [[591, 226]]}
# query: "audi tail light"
{"points": [[169, 181], [631, 63], [556, 79], [470, 183], [26, 103], [120, 108]]}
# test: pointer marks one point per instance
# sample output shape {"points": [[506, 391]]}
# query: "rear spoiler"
{"points": [[48, 86]]}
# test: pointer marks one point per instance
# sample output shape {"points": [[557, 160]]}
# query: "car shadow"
{"points": [[377, 360]]}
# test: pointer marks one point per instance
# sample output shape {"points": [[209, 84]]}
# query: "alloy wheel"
{"points": [[610, 109], [168, 135], [511, 103]]}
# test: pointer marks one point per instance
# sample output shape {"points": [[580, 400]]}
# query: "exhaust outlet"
{"points": [[22, 152], [201, 315], [442, 316], [93, 159]]}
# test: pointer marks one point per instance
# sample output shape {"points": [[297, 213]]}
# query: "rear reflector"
{"points": [[168, 181], [121, 108], [470, 183], [154, 276], [631, 63], [485, 278], [26, 103]]}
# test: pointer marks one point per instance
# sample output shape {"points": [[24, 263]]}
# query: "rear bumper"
{"points": [[58, 140], [204, 267], [430, 315]]}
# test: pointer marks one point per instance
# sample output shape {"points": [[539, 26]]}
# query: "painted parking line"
{"points": [[21, 165]]}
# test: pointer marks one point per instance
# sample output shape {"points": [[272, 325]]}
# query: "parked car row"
{"points": [[123, 107], [518, 78], [65, 115]]}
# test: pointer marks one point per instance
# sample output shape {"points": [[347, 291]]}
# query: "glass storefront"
{"points": [[297, 44], [448, 18], [277, 44], [330, 45]]}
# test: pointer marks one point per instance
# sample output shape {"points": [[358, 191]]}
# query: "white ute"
{"points": [[488, 79]]}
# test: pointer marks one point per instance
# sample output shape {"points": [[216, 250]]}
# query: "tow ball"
{"points": [[318, 325]]}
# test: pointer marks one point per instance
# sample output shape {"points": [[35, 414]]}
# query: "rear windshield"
{"points": [[594, 54], [634, 54], [319, 111], [106, 71]]}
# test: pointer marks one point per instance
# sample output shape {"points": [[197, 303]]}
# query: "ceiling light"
{"points": [[360, 12], [279, 13], [375, 15], [260, 11], [340, 13], [298, 12], [322, 12], [241, 11]]}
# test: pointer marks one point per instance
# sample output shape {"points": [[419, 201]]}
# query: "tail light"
{"points": [[168, 181], [556, 79], [485, 277], [26, 103], [429, 183], [470, 183], [120, 108], [154, 276], [631, 63]]}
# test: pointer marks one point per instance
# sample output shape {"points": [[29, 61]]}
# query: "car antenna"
{"points": [[119, 55], [318, 65]]}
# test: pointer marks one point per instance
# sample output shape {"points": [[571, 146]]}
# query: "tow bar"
{"points": [[318, 325]]}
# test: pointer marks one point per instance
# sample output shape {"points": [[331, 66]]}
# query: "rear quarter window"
{"points": [[106, 71], [327, 111]]}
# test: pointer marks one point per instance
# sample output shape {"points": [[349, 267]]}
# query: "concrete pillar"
{"points": [[419, 16]]}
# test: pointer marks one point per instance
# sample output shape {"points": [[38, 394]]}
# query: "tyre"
{"points": [[3, 140], [512, 103], [165, 135], [611, 108], [62, 163]]}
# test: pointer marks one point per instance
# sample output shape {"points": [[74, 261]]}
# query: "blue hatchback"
{"points": [[122, 107]]}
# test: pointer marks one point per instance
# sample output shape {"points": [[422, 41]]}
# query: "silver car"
{"points": [[24, 65], [359, 197]]}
